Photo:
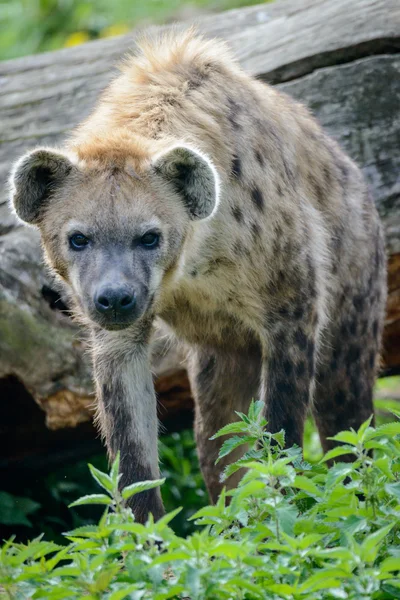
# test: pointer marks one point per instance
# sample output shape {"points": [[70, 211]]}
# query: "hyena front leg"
{"points": [[127, 413], [288, 377]]}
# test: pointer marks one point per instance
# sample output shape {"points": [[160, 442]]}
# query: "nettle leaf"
{"points": [[363, 428], [346, 437], [370, 545], [237, 427], [92, 499], [141, 486], [337, 473], [384, 464], [102, 479], [388, 429], [126, 591], [114, 473], [286, 516], [234, 442], [339, 451], [306, 485], [256, 409], [393, 489], [390, 564], [395, 411], [279, 437]]}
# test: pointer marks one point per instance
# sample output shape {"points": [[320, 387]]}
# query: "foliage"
{"points": [[41, 503], [35, 26], [292, 531]]}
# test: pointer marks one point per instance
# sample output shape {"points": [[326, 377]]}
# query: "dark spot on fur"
{"points": [[257, 198], [340, 398], [206, 373], [371, 359], [286, 388], [300, 338], [375, 329], [238, 249], [256, 230], [298, 312], [353, 354], [279, 189], [234, 113], [359, 302], [301, 369], [259, 158], [317, 188], [311, 358], [237, 213], [288, 367], [353, 327], [193, 273], [236, 167], [283, 312]]}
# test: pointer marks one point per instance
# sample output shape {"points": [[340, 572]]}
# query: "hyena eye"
{"points": [[78, 241], [150, 239]]}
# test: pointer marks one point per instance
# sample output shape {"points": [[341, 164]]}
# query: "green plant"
{"points": [[292, 531]]}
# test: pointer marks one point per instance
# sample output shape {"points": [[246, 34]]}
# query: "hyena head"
{"points": [[112, 229]]}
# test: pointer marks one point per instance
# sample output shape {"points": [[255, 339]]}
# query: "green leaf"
{"points": [[232, 443], [92, 499], [237, 427], [393, 489], [173, 592], [102, 479], [287, 517], [170, 557], [339, 451], [370, 545], [279, 437], [390, 564], [346, 437], [362, 429], [256, 409], [388, 429], [114, 473], [384, 465], [126, 591], [141, 486], [306, 485], [281, 589]]}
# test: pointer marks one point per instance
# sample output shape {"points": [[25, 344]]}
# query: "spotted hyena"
{"points": [[199, 195]]}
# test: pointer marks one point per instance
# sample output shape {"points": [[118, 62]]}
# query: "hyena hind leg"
{"points": [[221, 382], [347, 372]]}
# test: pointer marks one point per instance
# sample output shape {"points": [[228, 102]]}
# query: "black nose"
{"points": [[115, 301]]}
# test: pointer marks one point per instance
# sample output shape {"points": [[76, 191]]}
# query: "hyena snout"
{"points": [[116, 303]]}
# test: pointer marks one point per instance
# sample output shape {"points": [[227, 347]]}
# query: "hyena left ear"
{"points": [[194, 178]]}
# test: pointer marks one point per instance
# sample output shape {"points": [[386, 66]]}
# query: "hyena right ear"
{"points": [[34, 177]]}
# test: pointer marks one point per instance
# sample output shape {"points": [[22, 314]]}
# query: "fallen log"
{"points": [[340, 58]]}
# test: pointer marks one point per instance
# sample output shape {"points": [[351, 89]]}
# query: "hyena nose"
{"points": [[115, 301]]}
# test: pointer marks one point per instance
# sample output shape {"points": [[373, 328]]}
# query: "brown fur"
{"points": [[279, 293]]}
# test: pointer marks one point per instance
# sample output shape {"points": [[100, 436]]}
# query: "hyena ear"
{"points": [[193, 176], [34, 177]]}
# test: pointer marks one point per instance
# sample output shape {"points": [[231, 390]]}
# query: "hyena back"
{"points": [[199, 195]]}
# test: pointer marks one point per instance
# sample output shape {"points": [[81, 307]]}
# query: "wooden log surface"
{"points": [[340, 58]]}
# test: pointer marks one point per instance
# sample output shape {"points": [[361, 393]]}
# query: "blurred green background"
{"points": [[30, 26]]}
